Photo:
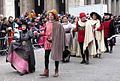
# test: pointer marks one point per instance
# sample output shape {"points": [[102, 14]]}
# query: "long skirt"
{"points": [[21, 58]]}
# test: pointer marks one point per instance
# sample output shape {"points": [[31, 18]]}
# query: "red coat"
{"points": [[81, 33], [106, 26]]}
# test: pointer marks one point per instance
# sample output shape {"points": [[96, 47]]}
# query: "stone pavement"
{"points": [[105, 69]]}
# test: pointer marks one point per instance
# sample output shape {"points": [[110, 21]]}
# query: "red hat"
{"points": [[82, 15]]}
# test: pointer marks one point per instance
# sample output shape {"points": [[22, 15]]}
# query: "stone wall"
{"points": [[74, 3], [26, 5], [50, 4], [1, 6], [8, 8]]}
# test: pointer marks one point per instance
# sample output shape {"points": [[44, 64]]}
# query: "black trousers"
{"points": [[96, 44], [111, 44], [85, 55], [47, 54], [106, 44]]}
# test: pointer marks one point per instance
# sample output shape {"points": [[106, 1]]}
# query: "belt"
{"points": [[67, 31], [24, 42]]}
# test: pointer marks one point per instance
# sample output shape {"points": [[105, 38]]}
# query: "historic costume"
{"points": [[80, 27], [58, 44], [89, 40], [109, 30], [75, 44], [99, 35], [68, 35], [68, 38], [21, 53], [54, 42]]}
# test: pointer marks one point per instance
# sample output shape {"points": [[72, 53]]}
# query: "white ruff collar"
{"points": [[81, 23]]}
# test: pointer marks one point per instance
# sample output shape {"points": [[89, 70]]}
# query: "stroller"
{"points": [[66, 55]]}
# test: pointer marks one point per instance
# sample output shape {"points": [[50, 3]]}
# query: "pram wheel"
{"points": [[66, 56], [4, 52]]}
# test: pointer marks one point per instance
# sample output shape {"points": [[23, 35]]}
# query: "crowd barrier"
{"points": [[3, 45], [7, 39]]}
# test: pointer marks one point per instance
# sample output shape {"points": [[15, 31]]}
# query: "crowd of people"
{"points": [[62, 36]]}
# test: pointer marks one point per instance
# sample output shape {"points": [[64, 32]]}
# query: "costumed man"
{"points": [[109, 31], [89, 40], [99, 35], [80, 27]]}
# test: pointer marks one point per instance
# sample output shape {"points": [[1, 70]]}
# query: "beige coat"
{"points": [[99, 35], [89, 40]]}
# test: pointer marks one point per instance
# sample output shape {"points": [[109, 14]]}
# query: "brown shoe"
{"points": [[56, 73], [46, 73]]}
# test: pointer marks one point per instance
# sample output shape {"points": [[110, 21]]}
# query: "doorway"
{"points": [[39, 6], [61, 6], [17, 8]]}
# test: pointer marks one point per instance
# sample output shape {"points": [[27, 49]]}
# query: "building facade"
{"points": [[40, 5], [16, 8], [112, 5], [7, 8]]}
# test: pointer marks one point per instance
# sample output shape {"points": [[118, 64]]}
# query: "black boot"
{"points": [[111, 47], [87, 62], [83, 62], [110, 51], [83, 57], [99, 56]]}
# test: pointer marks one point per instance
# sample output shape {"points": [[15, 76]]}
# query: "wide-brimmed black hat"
{"points": [[94, 13], [108, 14]]}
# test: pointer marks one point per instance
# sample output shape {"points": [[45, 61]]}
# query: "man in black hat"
{"points": [[107, 16], [109, 31]]}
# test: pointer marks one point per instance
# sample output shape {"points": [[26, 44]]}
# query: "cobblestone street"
{"points": [[105, 69]]}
